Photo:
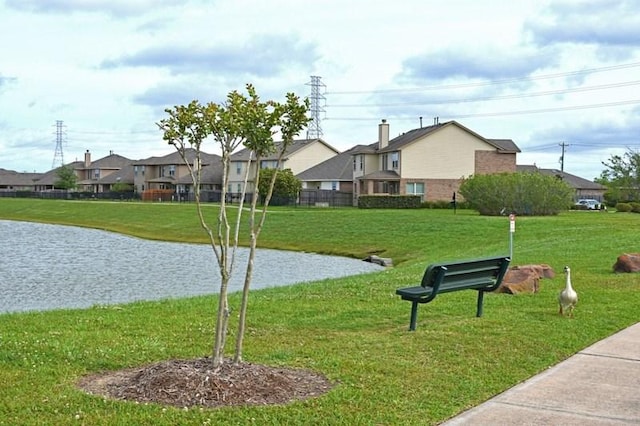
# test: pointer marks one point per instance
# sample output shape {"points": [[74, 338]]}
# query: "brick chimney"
{"points": [[383, 134], [87, 159]]}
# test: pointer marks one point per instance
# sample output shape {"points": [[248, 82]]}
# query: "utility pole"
{"points": [[563, 145]]}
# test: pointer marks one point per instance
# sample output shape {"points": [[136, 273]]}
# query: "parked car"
{"points": [[588, 204]]}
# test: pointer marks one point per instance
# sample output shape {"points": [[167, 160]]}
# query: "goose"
{"points": [[567, 297]]}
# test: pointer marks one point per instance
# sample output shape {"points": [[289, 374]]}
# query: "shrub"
{"points": [[521, 193], [389, 202], [623, 207], [635, 207]]}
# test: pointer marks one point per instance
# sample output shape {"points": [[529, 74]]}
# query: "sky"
{"points": [[560, 78]]}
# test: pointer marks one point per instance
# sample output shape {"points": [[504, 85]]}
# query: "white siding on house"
{"points": [[446, 154], [309, 156]]}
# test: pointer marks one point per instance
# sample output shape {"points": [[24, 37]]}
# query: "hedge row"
{"points": [[389, 202]]}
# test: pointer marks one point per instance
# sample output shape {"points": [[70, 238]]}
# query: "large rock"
{"points": [[525, 278], [382, 261], [628, 262]]}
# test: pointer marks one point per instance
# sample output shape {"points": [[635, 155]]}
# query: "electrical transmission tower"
{"points": [[315, 129], [58, 156]]}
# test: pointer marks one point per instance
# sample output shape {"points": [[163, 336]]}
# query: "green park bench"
{"points": [[479, 274]]}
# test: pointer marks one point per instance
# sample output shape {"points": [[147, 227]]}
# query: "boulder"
{"points": [[525, 278], [628, 262], [382, 261]]}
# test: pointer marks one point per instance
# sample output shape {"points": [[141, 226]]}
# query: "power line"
{"points": [[490, 83], [494, 98], [503, 113]]}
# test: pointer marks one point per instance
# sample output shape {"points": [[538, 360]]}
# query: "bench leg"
{"points": [[480, 299], [414, 316]]}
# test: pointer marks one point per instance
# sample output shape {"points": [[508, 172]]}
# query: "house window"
{"points": [[334, 185], [96, 173], [385, 162], [354, 164], [268, 164], [172, 170], [239, 188], [415, 188], [135, 170], [394, 160], [142, 170], [238, 167], [360, 162]]}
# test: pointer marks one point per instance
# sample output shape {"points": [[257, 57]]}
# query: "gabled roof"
{"points": [[124, 175], [338, 167], [210, 174], [296, 145], [175, 158], [502, 145], [573, 180], [13, 178], [111, 161], [51, 177]]}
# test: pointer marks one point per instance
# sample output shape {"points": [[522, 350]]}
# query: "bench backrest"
{"points": [[486, 274]]}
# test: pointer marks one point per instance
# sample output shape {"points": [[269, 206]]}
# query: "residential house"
{"points": [[299, 156], [14, 181], [584, 188], [170, 172], [122, 176], [429, 161], [48, 180], [333, 174], [93, 176]]}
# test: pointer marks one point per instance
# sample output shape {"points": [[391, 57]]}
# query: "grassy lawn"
{"points": [[353, 330]]}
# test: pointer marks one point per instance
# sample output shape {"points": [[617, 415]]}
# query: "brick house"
{"points": [[428, 161]]}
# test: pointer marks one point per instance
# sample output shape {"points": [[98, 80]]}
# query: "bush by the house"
{"points": [[520, 193], [443, 204], [389, 202], [623, 207]]}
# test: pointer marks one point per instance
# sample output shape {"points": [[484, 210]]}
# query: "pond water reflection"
{"points": [[52, 266]]}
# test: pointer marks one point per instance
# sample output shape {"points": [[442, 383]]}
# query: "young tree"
{"points": [[622, 177], [67, 178], [240, 121]]}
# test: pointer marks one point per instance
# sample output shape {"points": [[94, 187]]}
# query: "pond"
{"points": [[47, 267]]}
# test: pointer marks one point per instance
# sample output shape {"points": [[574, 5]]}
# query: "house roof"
{"points": [[338, 167], [175, 158], [111, 161], [124, 175], [502, 145], [382, 175], [210, 174], [296, 145], [51, 177], [573, 180], [13, 178]]}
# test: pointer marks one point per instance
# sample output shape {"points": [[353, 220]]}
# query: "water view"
{"points": [[47, 267]]}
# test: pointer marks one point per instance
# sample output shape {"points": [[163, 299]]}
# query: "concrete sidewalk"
{"points": [[600, 385]]}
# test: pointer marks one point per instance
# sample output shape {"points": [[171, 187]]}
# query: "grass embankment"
{"points": [[354, 330]]}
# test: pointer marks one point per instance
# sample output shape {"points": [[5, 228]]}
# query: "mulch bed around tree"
{"points": [[188, 383]]}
